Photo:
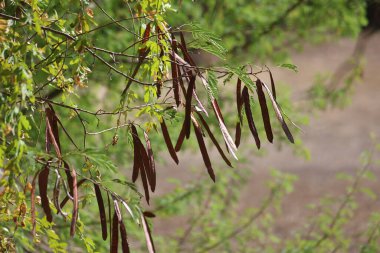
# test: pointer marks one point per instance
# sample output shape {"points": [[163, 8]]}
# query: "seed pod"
{"points": [[168, 141], [124, 240], [137, 160], [237, 134], [43, 178], [115, 234], [145, 184], [279, 115], [180, 140], [149, 214], [184, 50], [213, 139], [51, 134], [75, 203], [174, 67], [148, 235], [272, 84], [203, 149], [69, 177], [33, 204], [249, 116], [264, 110], [56, 191], [189, 95], [102, 212], [152, 166], [239, 100], [227, 137]]}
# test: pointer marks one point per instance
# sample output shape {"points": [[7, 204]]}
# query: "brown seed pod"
{"points": [[180, 140], [279, 115], [51, 133], [152, 165], [43, 178], [237, 134], [75, 203], [115, 234], [239, 100], [102, 212], [213, 139], [203, 149], [174, 67], [124, 239], [145, 183], [137, 160], [33, 204], [168, 141], [148, 235], [249, 116], [264, 110], [189, 95], [272, 84]]}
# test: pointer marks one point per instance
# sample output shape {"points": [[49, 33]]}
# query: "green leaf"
{"points": [[206, 41], [289, 66], [132, 186], [213, 85], [244, 77], [98, 158]]}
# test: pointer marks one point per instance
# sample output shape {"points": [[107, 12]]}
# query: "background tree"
{"points": [[269, 29]]}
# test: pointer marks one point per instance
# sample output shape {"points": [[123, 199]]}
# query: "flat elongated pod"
{"points": [[33, 204], [145, 38], [146, 168], [69, 177], [272, 84], [149, 214], [152, 164], [184, 50], [264, 110], [203, 149], [43, 178], [145, 184], [56, 191], [227, 137], [102, 211], [148, 235], [237, 134], [124, 239], [189, 95], [213, 139], [248, 113], [279, 114], [51, 134], [137, 160], [53, 120], [175, 76], [114, 234], [180, 140], [239, 100], [168, 141], [74, 217]]}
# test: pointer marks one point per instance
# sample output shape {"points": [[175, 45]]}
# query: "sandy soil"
{"points": [[335, 138]]}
